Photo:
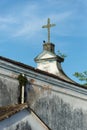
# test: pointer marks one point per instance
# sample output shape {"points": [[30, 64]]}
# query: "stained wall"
{"points": [[61, 105]]}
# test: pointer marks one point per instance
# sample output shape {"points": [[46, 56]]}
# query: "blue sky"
{"points": [[21, 35]]}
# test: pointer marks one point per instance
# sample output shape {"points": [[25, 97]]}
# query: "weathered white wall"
{"points": [[51, 67], [9, 92], [61, 105]]}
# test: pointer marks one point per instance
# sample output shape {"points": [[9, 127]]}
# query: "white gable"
{"points": [[47, 56]]}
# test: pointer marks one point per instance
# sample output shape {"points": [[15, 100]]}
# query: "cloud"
{"points": [[28, 19], [20, 21], [33, 23], [28, 27], [7, 20], [62, 16], [6, 23]]}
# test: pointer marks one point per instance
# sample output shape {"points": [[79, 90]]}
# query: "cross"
{"points": [[48, 26]]}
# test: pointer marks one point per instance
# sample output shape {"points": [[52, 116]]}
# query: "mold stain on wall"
{"points": [[59, 115], [8, 92], [23, 126], [20, 126]]}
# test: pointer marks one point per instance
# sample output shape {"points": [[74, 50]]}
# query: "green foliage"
{"points": [[81, 76], [61, 54], [22, 80]]}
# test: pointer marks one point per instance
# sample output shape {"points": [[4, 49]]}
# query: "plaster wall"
{"points": [[61, 105], [49, 66], [8, 91], [46, 55]]}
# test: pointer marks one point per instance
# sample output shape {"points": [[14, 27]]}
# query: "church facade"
{"points": [[60, 102]]}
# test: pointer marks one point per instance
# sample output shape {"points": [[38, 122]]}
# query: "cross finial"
{"points": [[48, 26]]}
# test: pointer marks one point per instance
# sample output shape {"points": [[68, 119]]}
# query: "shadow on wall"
{"points": [[5, 98], [30, 94], [23, 126]]}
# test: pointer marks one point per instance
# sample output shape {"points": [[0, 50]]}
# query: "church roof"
{"points": [[8, 111], [40, 71]]}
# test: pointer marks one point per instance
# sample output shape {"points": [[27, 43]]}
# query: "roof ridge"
{"points": [[40, 71]]}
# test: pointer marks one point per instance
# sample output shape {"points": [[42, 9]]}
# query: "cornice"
{"points": [[39, 75]]}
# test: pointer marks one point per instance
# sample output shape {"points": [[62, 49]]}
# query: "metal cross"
{"points": [[48, 26]]}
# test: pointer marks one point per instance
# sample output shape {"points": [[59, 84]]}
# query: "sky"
{"points": [[22, 35]]}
